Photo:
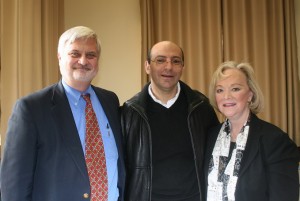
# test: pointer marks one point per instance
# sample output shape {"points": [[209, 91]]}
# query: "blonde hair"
{"points": [[257, 101]]}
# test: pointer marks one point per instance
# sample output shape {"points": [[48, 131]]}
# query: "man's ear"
{"points": [[147, 67]]}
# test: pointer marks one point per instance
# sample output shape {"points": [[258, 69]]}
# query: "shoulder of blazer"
{"points": [[264, 128], [43, 96], [105, 94]]}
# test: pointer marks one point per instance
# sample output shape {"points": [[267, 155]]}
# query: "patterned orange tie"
{"points": [[94, 155]]}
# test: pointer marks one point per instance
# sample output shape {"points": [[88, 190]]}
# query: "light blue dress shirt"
{"points": [[77, 104]]}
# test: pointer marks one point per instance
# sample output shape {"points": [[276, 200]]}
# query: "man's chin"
{"points": [[83, 77]]}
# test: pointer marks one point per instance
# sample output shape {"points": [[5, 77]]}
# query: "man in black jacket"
{"points": [[164, 128]]}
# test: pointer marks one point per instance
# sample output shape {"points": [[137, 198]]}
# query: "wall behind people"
{"points": [[118, 26]]}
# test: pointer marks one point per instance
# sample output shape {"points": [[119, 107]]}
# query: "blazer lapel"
{"points": [[67, 128], [210, 144], [252, 146], [110, 112]]}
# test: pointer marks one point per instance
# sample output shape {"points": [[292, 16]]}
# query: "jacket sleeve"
{"points": [[281, 161], [18, 164]]}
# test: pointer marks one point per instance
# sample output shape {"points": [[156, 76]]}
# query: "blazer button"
{"points": [[86, 195]]}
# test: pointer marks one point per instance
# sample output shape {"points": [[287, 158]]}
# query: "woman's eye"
{"points": [[218, 91], [236, 89]]}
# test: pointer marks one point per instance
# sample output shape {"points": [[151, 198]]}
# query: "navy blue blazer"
{"points": [[43, 158], [269, 167]]}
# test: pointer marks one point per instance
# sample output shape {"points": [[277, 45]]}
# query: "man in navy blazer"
{"points": [[44, 154]]}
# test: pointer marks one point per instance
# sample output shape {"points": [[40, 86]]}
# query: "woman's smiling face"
{"points": [[233, 94]]}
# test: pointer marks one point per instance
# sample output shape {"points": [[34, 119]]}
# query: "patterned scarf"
{"points": [[225, 163]]}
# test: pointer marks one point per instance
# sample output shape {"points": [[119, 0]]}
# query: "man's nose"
{"points": [[168, 63], [82, 60]]}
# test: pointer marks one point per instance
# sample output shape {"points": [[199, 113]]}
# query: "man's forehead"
{"points": [[166, 50], [82, 43]]}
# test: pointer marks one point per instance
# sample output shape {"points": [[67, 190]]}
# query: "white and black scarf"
{"points": [[225, 163]]}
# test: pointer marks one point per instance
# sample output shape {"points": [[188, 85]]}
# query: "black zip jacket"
{"points": [[137, 135]]}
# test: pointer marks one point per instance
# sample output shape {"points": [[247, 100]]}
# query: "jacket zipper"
{"points": [[193, 146]]}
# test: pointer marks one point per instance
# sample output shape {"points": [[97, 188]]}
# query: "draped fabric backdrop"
{"points": [[29, 35], [261, 32]]}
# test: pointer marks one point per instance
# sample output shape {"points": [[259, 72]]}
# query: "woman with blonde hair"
{"points": [[247, 158]]}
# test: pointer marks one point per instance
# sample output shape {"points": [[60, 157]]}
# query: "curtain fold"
{"points": [[260, 32], [147, 34], [198, 33], [292, 72], [29, 36]]}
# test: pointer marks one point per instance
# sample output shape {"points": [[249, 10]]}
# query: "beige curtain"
{"points": [[194, 25], [261, 32], [29, 36]]}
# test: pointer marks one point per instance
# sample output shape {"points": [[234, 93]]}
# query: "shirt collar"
{"points": [[169, 102], [73, 94]]}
